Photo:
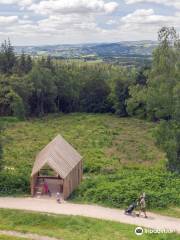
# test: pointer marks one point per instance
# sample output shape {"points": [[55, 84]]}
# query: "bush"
{"points": [[13, 183], [121, 189]]}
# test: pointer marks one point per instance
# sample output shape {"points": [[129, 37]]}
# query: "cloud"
{"points": [[6, 20], [18, 2], [174, 3], [72, 22], [63, 19], [51, 28], [73, 6], [145, 23], [57, 20], [148, 16], [145, 16], [110, 7], [111, 22]]}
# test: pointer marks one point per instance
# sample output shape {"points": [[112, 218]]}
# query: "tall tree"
{"points": [[163, 77], [168, 137], [157, 95], [94, 94], [10, 102], [22, 63], [121, 82], [68, 88], [1, 148], [44, 92], [7, 57], [159, 99], [29, 64]]}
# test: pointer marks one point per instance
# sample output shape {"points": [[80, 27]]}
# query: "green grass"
{"points": [[121, 159], [105, 141], [171, 211], [72, 228], [6, 237]]}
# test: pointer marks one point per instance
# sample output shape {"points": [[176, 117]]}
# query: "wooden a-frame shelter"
{"points": [[64, 160]]}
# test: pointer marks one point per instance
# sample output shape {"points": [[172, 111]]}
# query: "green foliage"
{"points": [[136, 105], [121, 189], [5, 90], [43, 91], [124, 187], [7, 57], [164, 76], [142, 76], [12, 182], [16, 105], [24, 64], [23, 87], [94, 94], [121, 82], [168, 137], [44, 85], [160, 97], [1, 148], [166, 55], [68, 85], [10, 102], [165, 98], [176, 95]]}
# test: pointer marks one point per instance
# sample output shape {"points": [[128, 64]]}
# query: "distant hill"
{"points": [[132, 53], [99, 49]]}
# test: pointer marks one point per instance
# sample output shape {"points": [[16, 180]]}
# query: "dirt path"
{"points": [[29, 236], [50, 206]]}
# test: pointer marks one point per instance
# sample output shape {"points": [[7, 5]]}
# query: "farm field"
{"points": [[71, 228], [121, 159]]}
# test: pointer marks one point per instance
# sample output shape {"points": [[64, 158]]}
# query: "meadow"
{"points": [[121, 159]]}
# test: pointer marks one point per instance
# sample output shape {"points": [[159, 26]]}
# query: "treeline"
{"points": [[34, 87]]}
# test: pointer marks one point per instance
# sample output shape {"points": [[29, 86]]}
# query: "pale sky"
{"points": [[39, 22]]}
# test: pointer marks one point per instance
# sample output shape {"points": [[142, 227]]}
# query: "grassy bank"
{"points": [[120, 158], [5, 237], [72, 228], [171, 211]]}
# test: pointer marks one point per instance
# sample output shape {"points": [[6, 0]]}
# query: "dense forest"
{"points": [[37, 86], [34, 87]]}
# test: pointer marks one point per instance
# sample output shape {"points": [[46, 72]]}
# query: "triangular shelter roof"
{"points": [[59, 155]]}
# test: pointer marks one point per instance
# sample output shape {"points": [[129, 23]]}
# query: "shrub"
{"points": [[13, 183], [123, 188]]}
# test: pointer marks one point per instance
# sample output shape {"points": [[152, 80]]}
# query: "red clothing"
{"points": [[46, 188]]}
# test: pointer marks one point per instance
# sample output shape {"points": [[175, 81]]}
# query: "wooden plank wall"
{"points": [[33, 184], [72, 181]]}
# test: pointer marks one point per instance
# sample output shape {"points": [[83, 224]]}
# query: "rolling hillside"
{"points": [[120, 158], [122, 53], [97, 49]]}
